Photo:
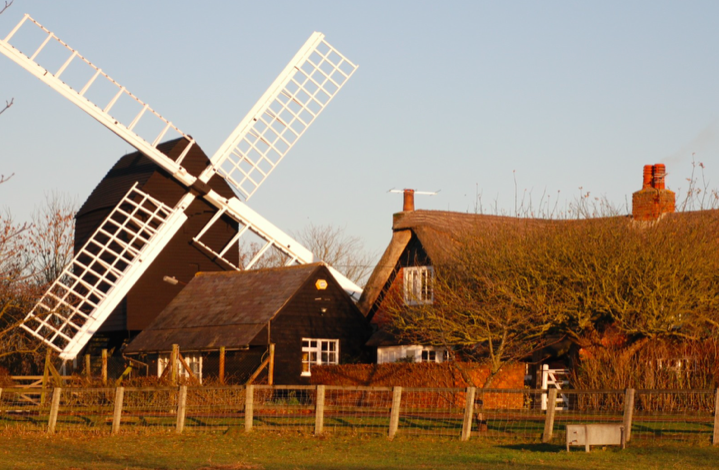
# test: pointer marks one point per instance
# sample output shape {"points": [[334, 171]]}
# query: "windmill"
{"points": [[140, 226]]}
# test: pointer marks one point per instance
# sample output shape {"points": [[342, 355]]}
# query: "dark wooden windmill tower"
{"points": [[159, 209], [180, 259]]}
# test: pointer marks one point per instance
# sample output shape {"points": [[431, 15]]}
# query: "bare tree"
{"points": [[32, 255], [52, 232], [344, 252], [508, 290]]}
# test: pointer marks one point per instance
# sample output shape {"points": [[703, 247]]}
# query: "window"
{"points": [[429, 356], [418, 282], [318, 352]]}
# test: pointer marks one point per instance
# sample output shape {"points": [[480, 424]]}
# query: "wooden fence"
{"points": [[685, 415]]}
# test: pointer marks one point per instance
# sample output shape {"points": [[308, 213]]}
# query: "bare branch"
{"points": [[7, 5], [7, 105]]}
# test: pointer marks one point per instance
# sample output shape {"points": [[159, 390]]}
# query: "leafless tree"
{"points": [[52, 232], [507, 291], [32, 255], [344, 252]]}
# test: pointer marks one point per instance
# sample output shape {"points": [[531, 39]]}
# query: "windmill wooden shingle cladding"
{"points": [[180, 258], [246, 309]]}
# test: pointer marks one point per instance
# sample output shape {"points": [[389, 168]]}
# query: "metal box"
{"points": [[596, 435]]}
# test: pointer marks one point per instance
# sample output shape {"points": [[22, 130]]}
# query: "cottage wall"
{"points": [[303, 317]]}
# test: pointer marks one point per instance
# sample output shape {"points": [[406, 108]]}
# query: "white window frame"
{"points": [[418, 285], [319, 351]]}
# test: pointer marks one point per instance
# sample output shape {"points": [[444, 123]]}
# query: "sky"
{"points": [[478, 100]]}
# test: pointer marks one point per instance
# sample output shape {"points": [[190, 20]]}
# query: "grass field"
{"points": [[260, 450]]}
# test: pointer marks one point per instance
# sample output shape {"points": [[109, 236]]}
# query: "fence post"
{"points": [[174, 366], [320, 410], [271, 366], [549, 421], [88, 371], [394, 413], [249, 405], [181, 409], [468, 413], [222, 365], [628, 413], [54, 409], [715, 436], [46, 376], [104, 367], [117, 411]]}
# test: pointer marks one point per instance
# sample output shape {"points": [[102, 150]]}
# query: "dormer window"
{"points": [[418, 283]]}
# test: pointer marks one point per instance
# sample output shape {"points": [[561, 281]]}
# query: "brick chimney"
{"points": [[653, 199], [408, 200]]}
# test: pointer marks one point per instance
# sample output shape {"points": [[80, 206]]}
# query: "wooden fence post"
{"points": [[88, 370], [174, 363], [54, 409], [715, 436], [249, 405], [468, 413], [394, 413], [271, 366], [46, 376], [551, 409], [181, 409], [117, 411], [319, 410], [222, 365], [104, 367], [628, 413]]}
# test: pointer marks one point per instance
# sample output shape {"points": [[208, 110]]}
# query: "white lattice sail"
{"points": [[295, 99], [102, 272], [142, 116]]}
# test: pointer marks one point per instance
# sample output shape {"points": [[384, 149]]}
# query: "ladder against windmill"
{"points": [[169, 209]]}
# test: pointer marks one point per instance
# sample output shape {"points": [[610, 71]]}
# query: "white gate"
{"points": [[555, 378]]}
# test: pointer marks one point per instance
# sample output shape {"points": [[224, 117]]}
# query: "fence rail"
{"points": [[500, 414]]}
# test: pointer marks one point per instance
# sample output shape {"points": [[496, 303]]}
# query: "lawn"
{"points": [[262, 450]]}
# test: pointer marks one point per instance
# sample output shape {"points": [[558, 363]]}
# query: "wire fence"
{"points": [[495, 414]]}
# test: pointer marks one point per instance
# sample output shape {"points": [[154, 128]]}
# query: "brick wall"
{"points": [[429, 375], [649, 204]]}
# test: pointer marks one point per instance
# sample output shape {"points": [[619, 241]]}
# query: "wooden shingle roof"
{"points": [[223, 309]]}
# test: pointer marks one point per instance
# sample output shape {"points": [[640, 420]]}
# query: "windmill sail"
{"points": [[103, 271], [141, 113], [288, 107]]}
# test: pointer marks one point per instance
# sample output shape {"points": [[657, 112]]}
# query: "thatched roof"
{"points": [[439, 233]]}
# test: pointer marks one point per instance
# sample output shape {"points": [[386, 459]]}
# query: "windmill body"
{"points": [[153, 226], [180, 258]]}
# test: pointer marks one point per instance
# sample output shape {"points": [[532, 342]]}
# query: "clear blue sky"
{"points": [[460, 96]]}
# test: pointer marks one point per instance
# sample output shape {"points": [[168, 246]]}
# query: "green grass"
{"points": [[262, 450]]}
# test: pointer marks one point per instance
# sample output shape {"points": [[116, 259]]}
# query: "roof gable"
{"points": [[223, 308]]}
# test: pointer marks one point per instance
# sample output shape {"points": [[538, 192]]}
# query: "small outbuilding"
{"points": [[302, 310]]}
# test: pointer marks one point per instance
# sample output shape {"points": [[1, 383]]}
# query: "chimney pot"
{"points": [[660, 171], [408, 200], [648, 177]]}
